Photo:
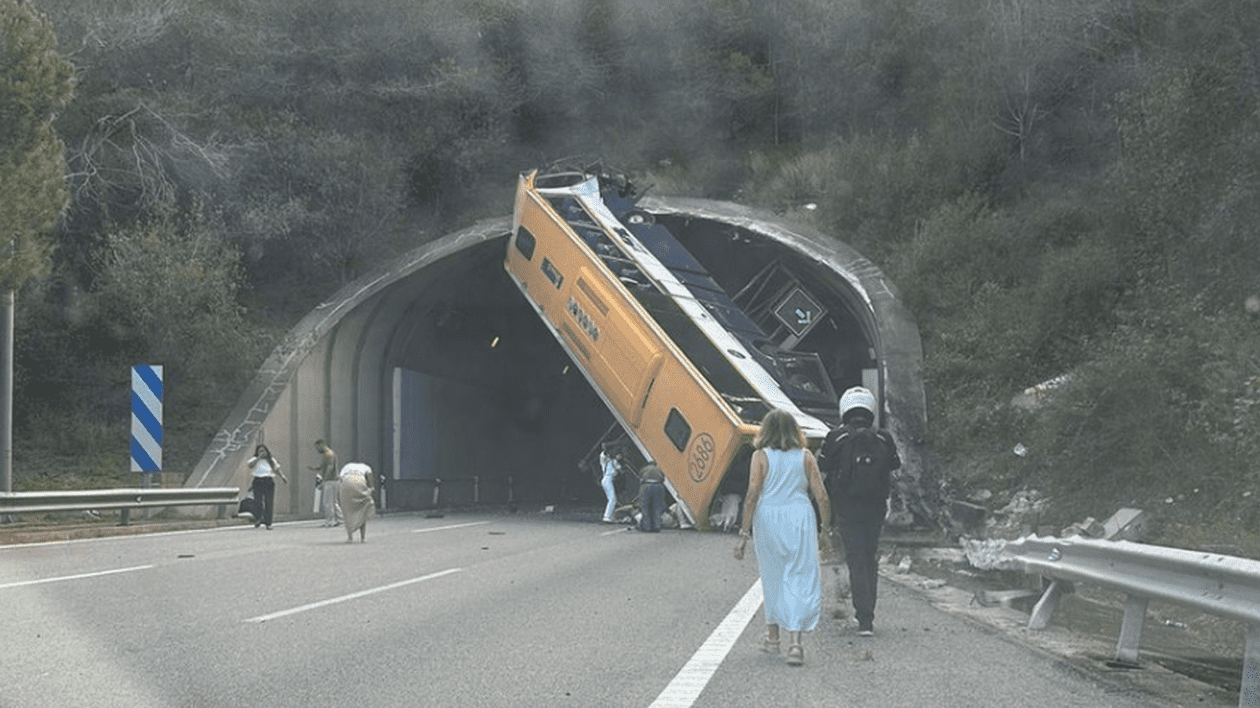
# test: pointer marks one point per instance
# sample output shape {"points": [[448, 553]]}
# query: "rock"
{"points": [[1020, 516], [966, 516], [1089, 528], [1125, 525], [984, 554]]}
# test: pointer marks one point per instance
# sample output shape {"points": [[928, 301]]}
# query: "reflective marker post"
{"points": [[146, 423]]}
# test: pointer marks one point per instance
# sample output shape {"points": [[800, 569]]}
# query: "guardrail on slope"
{"points": [[1221, 585], [122, 499]]}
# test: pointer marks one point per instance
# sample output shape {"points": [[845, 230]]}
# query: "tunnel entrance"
{"points": [[484, 391], [438, 374]]}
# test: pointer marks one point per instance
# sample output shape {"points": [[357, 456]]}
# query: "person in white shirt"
{"points": [[611, 468], [264, 469]]}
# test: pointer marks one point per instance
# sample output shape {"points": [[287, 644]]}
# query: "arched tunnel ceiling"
{"points": [[502, 399]]}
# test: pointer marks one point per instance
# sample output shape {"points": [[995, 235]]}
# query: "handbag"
{"points": [[247, 508]]}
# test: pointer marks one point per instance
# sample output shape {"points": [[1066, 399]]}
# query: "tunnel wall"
{"points": [[324, 380], [332, 376]]}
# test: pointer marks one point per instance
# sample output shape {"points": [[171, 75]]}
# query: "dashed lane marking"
{"points": [[450, 526], [351, 596], [75, 577]]}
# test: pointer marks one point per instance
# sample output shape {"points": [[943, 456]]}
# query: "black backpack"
{"points": [[859, 463]]}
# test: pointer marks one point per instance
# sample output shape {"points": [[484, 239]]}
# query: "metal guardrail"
{"points": [[122, 499], [475, 482], [1221, 585]]}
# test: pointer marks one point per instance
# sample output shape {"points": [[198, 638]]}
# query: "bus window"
{"points": [[525, 243], [553, 274], [677, 429]]}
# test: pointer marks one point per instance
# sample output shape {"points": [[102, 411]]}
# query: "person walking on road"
{"points": [[264, 469], [651, 497], [778, 515], [357, 504], [326, 481], [610, 467], [858, 461]]}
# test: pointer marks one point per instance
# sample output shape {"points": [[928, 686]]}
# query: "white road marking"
{"points": [[452, 526], [683, 691], [137, 536], [352, 596], [75, 577]]}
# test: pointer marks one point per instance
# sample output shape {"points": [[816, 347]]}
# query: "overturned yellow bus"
{"points": [[685, 373]]}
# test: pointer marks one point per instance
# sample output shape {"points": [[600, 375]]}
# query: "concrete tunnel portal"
{"points": [[437, 373]]}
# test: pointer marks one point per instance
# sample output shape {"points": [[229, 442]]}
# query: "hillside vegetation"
{"points": [[1062, 190]]}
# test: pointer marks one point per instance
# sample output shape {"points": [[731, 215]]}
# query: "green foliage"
{"points": [[1161, 411], [1057, 187], [35, 83], [166, 290], [1190, 150], [79, 449], [342, 202]]}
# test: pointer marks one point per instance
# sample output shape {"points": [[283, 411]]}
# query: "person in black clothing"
{"points": [[858, 461]]}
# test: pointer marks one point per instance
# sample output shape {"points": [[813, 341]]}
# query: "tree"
{"points": [[35, 83]]}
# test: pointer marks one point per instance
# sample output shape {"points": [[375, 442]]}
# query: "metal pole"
{"points": [[6, 399], [1250, 693], [1045, 607], [1131, 630]]}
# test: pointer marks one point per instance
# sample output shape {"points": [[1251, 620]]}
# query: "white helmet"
{"points": [[857, 397]]}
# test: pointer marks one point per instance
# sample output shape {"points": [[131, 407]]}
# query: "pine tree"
{"points": [[35, 83]]}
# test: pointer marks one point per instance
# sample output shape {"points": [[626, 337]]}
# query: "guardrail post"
{"points": [[124, 516], [1044, 609], [437, 487], [1131, 629], [1249, 696], [510, 493], [476, 490]]}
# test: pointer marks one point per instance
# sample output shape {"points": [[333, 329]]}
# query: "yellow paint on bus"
{"points": [[672, 412]]}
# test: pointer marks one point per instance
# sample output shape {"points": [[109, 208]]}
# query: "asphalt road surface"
{"points": [[476, 609]]}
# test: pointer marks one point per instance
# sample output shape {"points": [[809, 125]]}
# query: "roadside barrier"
{"points": [[122, 499], [465, 490], [1226, 586]]}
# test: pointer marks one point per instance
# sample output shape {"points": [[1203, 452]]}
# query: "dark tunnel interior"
{"points": [[509, 402]]}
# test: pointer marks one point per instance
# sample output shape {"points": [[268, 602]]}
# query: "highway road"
{"points": [[472, 609]]}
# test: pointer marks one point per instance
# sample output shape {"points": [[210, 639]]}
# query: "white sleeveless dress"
{"points": [[785, 537]]}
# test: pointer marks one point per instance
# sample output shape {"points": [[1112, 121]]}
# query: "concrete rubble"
{"points": [[1125, 525]]}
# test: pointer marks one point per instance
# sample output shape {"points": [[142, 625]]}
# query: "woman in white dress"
{"points": [[782, 478]]}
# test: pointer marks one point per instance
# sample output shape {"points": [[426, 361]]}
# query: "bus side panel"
{"points": [[548, 264], [595, 322], [690, 436], [676, 418], [624, 344]]}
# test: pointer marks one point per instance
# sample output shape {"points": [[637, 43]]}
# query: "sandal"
{"points": [[795, 655], [768, 645]]}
